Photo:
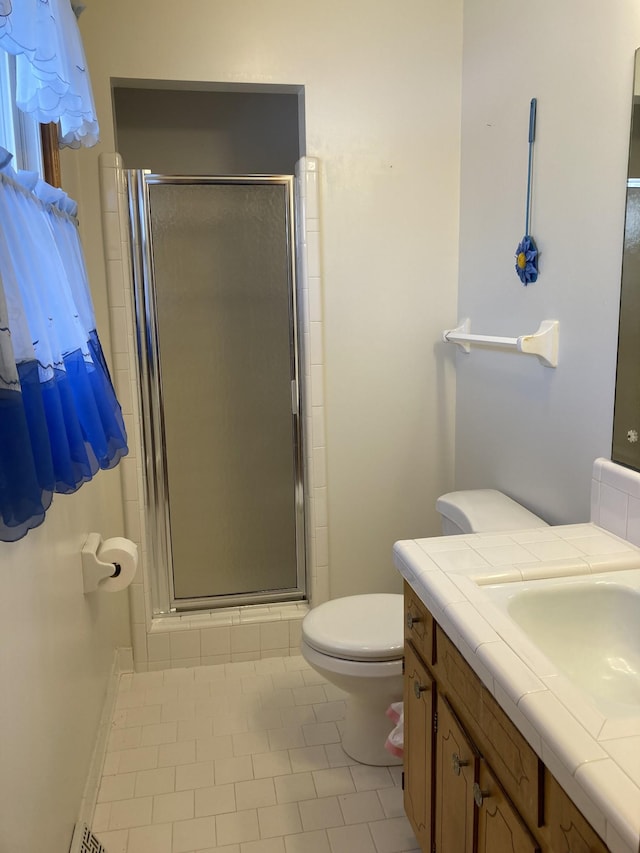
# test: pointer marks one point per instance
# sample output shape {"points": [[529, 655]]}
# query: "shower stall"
{"points": [[215, 298]]}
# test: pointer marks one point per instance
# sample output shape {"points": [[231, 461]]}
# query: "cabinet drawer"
{"points": [[499, 741], [418, 625], [569, 831]]}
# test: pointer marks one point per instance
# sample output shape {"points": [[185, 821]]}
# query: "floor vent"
{"points": [[84, 841]]}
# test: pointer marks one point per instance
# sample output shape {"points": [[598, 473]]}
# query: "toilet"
{"points": [[356, 642]]}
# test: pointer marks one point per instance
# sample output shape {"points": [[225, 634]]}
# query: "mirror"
{"points": [[626, 418]]}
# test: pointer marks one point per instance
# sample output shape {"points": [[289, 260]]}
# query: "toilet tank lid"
{"points": [[486, 511]]}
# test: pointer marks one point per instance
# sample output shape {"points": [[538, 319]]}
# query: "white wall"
{"points": [[528, 430], [382, 113], [56, 652]]}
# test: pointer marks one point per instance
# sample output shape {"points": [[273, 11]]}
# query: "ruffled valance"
{"points": [[52, 80], [60, 421]]}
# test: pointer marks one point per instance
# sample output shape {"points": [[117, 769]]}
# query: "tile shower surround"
{"points": [[241, 758], [239, 633]]}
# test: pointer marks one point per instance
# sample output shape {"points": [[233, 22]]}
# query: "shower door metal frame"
{"points": [[155, 475]]}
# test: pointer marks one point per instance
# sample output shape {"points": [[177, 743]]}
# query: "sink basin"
{"points": [[588, 627]]}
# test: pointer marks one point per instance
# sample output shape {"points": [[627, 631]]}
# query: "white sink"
{"points": [[588, 627]]}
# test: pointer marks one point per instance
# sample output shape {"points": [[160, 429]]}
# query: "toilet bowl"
{"points": [[356, 642]]}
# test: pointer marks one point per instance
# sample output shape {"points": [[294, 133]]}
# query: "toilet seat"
{"points": [[357, 628]]}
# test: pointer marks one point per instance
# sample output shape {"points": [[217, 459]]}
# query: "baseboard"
{"points": [[122, 662]]}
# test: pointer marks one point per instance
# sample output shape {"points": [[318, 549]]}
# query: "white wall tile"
{"points": [[158, 648], [245, 638], [274, 635], [613, 509], [185, 644], [633, 521]]}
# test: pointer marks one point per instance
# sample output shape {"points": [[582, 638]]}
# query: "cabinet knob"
{"points": [[412, 620], [479, 795], [457, 763], [418, 688]]}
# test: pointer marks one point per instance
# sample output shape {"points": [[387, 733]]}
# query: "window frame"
{"points": [[34, 145]]}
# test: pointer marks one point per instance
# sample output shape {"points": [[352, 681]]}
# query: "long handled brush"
{"points": [[527, 252]]}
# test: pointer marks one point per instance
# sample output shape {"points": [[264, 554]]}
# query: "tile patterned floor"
{"points": [[241, 758]]}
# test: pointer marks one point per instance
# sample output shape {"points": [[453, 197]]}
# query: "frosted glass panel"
{"points": [[222, 286]]}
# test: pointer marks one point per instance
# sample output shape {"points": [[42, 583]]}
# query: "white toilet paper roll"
{"points": [[123, 553]]}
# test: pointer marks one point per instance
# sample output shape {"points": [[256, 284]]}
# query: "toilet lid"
{"points": [[358, 627]]}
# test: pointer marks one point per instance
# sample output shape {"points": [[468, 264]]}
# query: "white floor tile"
{"points": [[249, 743], [392, 801], [191, 776], [236, 827], [309, 695], [114, 842], [119, 787], [218, 799], [336, 756], [196, 834], [170, 807], [308, 758], [321, 813], [158, 733], [279, 820], [101, 816], [268, 845], [368, 778], [286, 738], [128, 813], [299, 715], [150, 839], [347, 839], [335, 780], [294, 788], [320, 733], [255, 793], [237, 769], [211, 748], [326, 712], [393, 835], [158, 781], [361, 807], [271, 764], [172, 754], [308, 842], [124, 738]]}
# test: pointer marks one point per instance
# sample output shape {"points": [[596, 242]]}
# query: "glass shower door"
{"points": [[218, 335]]}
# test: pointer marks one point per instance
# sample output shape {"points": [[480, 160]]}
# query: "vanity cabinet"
{"points": [[472, 784]]}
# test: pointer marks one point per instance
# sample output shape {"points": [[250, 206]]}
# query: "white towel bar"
{"points": [[543, 343]]}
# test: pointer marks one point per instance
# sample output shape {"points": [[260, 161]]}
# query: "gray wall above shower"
{"points": [[185, 131]]}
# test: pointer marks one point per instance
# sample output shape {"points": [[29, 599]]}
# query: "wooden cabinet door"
{"points": [[419, 705], [500, 827], [456, 768], [570, 832]]}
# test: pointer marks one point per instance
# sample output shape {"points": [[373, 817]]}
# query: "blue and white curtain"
{"points": [[52, 79], [60, 420]]}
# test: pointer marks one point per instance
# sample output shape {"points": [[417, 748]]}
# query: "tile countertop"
{"points": [[595, 759]]}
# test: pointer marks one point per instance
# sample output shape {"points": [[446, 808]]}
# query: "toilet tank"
{"points": [[483, 511]]}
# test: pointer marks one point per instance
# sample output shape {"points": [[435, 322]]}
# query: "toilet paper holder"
{"points": [[95, 570]]}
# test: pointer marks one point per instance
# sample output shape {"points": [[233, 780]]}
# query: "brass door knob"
{"points": [[479, 795], [457, 763], [418, 688], [412, 620]]}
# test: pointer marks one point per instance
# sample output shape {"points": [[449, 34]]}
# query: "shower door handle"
{"points": [[295, 409]]}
